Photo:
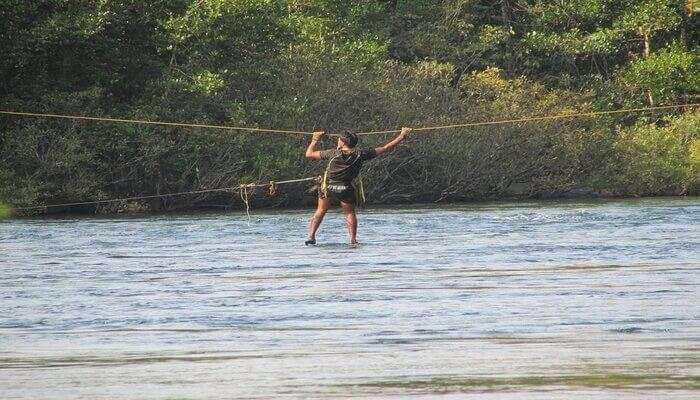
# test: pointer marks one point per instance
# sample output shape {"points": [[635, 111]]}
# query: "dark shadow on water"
{"points": [[638, 381], [337, 246]]}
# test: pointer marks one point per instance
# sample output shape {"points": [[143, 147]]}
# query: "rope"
{"points": [[154, 196], [281, 131], [244, 197], [530, 119], [145, 122]]}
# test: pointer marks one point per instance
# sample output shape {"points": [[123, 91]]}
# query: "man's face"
{"points": [[340, 143]]}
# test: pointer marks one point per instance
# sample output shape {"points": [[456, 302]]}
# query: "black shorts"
{"points": [[339, 192]]}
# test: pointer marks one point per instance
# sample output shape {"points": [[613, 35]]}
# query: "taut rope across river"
{"points": [[292, 132]]}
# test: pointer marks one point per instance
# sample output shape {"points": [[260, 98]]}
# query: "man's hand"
{"points": [[311, 151], [391, 145], [317, 135]]}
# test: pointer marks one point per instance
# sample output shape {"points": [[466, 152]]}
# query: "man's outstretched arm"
{"points": [[392, 144], [311, 151]]}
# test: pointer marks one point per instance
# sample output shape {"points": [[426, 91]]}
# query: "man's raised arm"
{"points": [[311, 151], [392, 144]]}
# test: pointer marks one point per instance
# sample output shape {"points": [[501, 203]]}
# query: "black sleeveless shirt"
{"points": [[345, 166]]}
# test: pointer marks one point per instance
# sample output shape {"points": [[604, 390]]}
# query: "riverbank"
{"points": [[587, 159]]}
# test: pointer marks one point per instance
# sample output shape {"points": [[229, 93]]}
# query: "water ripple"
{"points": [[532, 299]]}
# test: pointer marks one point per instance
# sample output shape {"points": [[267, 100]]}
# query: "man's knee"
{"points": [[348, 208]]}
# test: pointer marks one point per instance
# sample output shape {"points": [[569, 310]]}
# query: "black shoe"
{"points": [[310, 242]]}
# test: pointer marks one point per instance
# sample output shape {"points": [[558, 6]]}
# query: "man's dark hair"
{"points": [[349, 138]]}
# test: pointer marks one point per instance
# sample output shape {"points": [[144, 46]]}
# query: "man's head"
{"points": [[348, 139]]}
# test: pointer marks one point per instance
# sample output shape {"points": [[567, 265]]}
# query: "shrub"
{"points": [[651, 159]]}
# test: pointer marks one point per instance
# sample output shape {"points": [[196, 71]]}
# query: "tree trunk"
{"points": [[393, 28], [506, 11], [647, 45], [647, 52]]}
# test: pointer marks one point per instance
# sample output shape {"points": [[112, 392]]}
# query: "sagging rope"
{"points": [[242, 188], [282, 131], [245, 199]]}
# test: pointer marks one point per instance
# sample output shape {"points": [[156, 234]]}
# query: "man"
{"points": [[344, 165]]}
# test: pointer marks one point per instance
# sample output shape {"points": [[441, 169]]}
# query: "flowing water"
{"points": [[566, 300]]}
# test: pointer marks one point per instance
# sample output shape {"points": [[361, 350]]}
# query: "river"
{"points": [[560, 299]]}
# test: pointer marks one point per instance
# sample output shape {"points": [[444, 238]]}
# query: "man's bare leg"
{"points": [[350, 220], [317, 218]]}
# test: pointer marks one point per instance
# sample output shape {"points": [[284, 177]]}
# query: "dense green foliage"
{"points": [[366, 65]]}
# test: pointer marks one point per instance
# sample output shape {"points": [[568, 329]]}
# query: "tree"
{"points": [[647, 18]]}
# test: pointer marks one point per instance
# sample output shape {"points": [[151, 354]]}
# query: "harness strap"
{"points": [[324, 180], [360, 191]]}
